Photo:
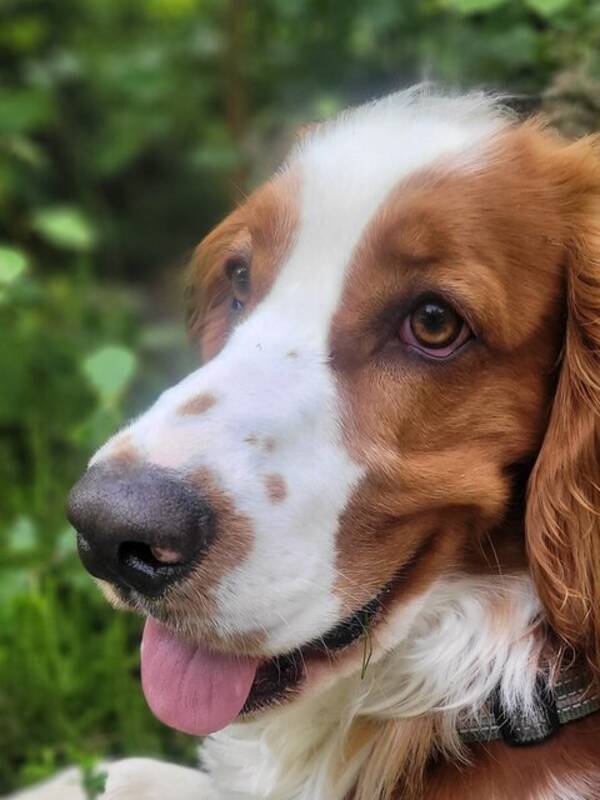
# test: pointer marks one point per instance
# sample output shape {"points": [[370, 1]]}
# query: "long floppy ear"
{"points": [[563, 510]]}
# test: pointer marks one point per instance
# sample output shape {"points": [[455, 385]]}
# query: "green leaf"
{"points": [[13, 263], [93, 782], [109, 370], [66, 227], [474, 6], [547, 8], [22, 536]]}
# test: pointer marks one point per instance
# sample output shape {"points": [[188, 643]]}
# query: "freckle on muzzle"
{"points": [[141, 527]]}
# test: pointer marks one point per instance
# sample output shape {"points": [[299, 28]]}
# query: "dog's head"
{"points": [[400, 331]]}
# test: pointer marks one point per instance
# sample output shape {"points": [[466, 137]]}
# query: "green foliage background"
{"points": [[126, 130]]}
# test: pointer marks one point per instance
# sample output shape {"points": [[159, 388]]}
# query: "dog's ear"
{"points": [[563, 508]]}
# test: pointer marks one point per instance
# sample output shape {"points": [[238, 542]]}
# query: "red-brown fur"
{"points": [[523, 774], [263, 226]]}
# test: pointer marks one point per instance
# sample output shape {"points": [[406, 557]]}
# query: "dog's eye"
{"points": [[434, 328], [238, 271]]}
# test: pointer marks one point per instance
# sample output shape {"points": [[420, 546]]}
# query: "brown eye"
{"points": [[238, 272], [434, 328], [435, 325]]}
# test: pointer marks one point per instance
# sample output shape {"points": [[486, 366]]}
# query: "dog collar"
{"points": [[570, 698]]}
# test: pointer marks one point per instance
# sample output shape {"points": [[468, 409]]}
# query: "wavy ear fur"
{"points": [[563, 510]]}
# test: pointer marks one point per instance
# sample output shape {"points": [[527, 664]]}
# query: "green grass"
{"points": [[73, 355], [70, 686]]}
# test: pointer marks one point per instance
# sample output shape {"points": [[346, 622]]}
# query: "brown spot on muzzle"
{"points": [[196, 405], [276, 488], [269, 444], [124, 452]]}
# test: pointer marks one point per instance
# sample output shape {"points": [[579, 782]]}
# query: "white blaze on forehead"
{"points": [[349, 166], [346, 170]]}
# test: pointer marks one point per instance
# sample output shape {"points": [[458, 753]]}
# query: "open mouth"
{"points": [[199, 691]]}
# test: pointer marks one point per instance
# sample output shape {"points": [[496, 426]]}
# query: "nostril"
{"points": [[166, 556], [151, 560]]}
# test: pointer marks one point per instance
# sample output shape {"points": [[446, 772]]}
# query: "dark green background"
{"points": [[127, 129]]}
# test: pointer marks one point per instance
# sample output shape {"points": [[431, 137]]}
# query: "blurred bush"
{"points": [[70, 351], [126, 131]]}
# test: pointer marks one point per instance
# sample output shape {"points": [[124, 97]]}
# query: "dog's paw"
{"points": [[66, 786], [146, 779], [130, 779]]}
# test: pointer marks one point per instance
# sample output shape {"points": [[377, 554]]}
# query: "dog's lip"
{"points": [[280, 677], [338, 637]]}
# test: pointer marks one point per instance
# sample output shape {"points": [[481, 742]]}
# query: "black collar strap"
{"points": [[572, 697]]}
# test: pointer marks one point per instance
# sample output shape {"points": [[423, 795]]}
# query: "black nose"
{"points": [[139, 527]]}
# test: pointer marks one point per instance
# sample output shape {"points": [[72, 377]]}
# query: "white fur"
{"points": [[131, 779], [66, 786]]}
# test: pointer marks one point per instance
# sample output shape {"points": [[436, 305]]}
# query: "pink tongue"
{"points": [[190, 688]]}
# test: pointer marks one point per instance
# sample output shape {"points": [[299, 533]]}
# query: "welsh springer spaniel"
{"points": [[366, 532]]}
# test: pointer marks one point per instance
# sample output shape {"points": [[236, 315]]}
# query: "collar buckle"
{"points": [[522, 730]]}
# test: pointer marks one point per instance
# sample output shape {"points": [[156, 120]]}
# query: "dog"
{"points": [[365, 533]]}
